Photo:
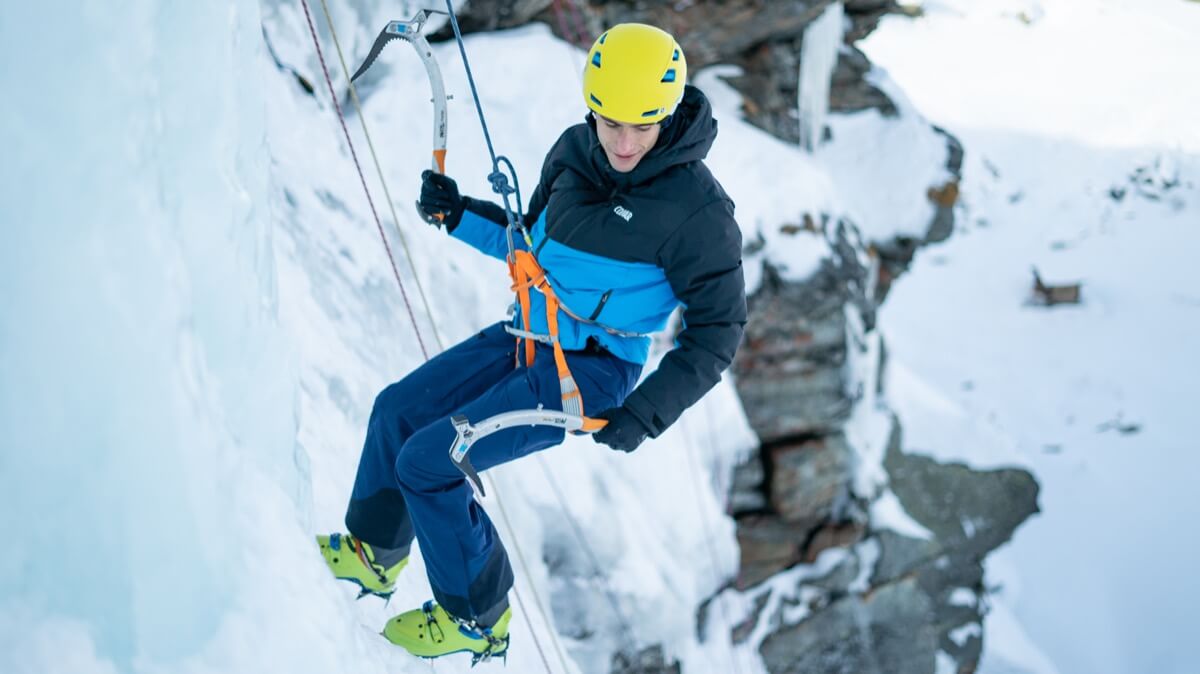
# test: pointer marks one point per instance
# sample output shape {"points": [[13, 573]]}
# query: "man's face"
{"points": [[625, 144]]}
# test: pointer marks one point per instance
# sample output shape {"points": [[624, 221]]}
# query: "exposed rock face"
{"points": [[794, 347], [922, 596], [892, 604], [908, 604], [889, 631], [794, 499], [895, 604], [807, 482], [485, 15], [649, 661], [850, 91], [763, 37], [969, 512]]}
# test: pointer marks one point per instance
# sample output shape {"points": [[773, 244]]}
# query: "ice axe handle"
{"points": [[591, 425], [439, 166]]}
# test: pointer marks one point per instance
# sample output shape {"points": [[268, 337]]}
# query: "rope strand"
{"points": [[354, 155], [536, 598], [362, 120], [591, 555]]}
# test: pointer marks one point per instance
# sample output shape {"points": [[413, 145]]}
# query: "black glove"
{"points": [[623, 432], [439, 195]]}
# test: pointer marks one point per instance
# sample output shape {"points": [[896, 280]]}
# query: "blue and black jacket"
{"points": [[626, 249]]}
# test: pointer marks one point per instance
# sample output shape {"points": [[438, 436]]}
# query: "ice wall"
{"points": [[144, 390]]}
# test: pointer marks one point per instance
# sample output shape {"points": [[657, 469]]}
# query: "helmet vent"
{"points": [[644, 84]]}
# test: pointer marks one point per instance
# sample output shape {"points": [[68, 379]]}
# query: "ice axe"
{"points": [[410, 32], [469, 434]]}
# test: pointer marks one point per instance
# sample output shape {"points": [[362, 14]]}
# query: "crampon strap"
{"points": [[474, 630]]}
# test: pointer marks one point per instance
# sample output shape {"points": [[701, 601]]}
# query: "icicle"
{"points": [[818, 57]]}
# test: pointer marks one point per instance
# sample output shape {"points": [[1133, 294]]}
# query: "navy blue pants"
{"points": [[406, 485]]}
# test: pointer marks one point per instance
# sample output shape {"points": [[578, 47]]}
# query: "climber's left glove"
{"points": [[440, 200], [624, 432]]}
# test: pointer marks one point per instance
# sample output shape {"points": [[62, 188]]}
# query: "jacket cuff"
{"points": [[639, 407]]}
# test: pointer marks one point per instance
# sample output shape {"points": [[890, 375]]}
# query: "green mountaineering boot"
{"points": [[353, 560], [430, 632]]}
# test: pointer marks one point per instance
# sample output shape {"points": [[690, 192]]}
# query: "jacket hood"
{"points": [[687, 136]]}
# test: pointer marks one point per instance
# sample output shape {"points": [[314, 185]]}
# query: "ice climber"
{"points": [[628, 224]]}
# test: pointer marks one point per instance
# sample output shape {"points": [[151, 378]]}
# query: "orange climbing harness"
{"points": [[528, 275]]}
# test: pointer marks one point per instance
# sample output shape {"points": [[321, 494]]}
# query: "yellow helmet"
{"points": [[634, 74]]}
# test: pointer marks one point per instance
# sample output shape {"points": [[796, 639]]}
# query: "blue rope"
{"points": [[497, 177]]}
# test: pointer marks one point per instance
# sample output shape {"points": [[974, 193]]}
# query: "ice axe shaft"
{"points": [[411, 32]]}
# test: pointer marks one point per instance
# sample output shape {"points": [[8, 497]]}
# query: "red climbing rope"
{"points": [[354, 155]]}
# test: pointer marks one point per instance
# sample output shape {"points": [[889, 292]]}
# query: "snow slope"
{"points": [[1083, 160]]}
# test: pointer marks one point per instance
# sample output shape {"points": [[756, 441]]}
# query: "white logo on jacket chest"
{"points": [[623, 212]]}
